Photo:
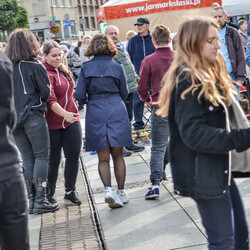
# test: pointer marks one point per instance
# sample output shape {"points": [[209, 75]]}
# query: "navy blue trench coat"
{"points": [[102, 86]]}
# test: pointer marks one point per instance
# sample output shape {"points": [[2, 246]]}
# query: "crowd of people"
{"points": [[190, 89]]}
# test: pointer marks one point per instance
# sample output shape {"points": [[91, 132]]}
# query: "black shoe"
{"points": [[71, 197], [135, 148], [125, 152], [164, 177], [51, 199]]}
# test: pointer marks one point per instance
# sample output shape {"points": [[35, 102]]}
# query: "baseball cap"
{"points": [[142, 21]]}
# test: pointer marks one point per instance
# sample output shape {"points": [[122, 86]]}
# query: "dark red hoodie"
{"points": [[62, 93]]}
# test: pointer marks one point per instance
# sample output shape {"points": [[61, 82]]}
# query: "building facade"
{"points": [[75, 17]]}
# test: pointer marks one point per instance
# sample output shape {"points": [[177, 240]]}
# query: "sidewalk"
{"points": [[171, 222]]}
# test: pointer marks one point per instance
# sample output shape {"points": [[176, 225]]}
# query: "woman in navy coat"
{"points": [[102, 86]]}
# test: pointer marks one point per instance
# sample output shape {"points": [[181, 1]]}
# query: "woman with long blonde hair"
{"points": [[197, 96]]}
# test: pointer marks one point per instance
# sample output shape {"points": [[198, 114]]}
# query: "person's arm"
{"points": [[7, 109], [68, 116], [123, 84], [143, 86], [42, 82], [248, 52], [56, 108], [80, 92], [240, 53], [191, 119]]}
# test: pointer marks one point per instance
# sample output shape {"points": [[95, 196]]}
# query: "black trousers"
{"points": [[70, 139], [14, 232]]}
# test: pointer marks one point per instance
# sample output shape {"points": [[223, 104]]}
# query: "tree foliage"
{"points": [[12, 16]]}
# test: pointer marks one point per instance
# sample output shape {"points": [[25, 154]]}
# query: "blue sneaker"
{"points": [[152, 194]]}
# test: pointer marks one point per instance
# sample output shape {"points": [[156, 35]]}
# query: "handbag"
{"points": [[240, 161]]}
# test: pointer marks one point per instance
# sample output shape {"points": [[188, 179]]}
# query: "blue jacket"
{"points": [[248, 52], [138, 48], [102, 86]]}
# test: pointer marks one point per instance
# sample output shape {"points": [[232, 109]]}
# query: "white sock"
{"points": [[120, 191], [155, 186], [68, 192], [109, 189]]}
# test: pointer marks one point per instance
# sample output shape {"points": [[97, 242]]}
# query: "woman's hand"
{"points": [[70, 117]]}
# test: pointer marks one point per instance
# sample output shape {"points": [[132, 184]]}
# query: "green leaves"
{"points": [[12, 16]]}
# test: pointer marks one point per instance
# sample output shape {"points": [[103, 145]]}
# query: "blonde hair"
{"points": [[86, 40], [130, 34], [189, 62]]}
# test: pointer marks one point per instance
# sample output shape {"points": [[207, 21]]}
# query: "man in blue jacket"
{"points": [[139, 47]]}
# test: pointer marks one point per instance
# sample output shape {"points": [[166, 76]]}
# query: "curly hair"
{"points": [[22, 45], [189, 61], [101, 45]]}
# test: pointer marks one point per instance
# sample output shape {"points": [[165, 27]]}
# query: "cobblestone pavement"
{"points": [[70, 227]]}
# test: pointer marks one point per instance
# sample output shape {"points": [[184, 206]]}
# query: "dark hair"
{"points": [[47, 47], [22, 45], [161, 34], [101, 45], [79, 43]]}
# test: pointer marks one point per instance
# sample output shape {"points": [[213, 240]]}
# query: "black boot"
{"points": [[50, 194], [31, 195], [41, 204]]}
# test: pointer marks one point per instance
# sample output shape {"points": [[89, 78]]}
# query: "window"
{"points": [[53, 3], [69, 3], [87, 23], [84, 2], [90, 2], [93, 23], [62, 3]]}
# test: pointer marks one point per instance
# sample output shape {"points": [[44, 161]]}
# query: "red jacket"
{"points": [[61, 92], [152, 70]]}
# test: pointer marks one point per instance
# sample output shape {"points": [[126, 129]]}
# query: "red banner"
{"points": [[100, 15], [153, 6]]}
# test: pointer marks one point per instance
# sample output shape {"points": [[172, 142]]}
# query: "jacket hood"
{"points": [[48, 66]]}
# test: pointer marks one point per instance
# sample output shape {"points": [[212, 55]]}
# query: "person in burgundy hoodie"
{"points": [[152, 70], [63, 123]]}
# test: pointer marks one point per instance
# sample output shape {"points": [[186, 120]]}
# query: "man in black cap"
{"points": [[139, 47]]}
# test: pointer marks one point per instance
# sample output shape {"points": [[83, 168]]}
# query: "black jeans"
{"points": [[70, 139], [32, 141], [14, 232]]}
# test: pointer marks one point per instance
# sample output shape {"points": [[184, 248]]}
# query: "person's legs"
{"points": [[138, 112], [104, 166], [119, 166], [37, 132], [129, 105], [240, 223], [120, 172], [218, 220], [72, 143], [14, 232], [25, 148], [104, 171], [55, 156]]}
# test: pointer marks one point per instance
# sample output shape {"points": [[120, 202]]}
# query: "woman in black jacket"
{"points": [[196, 97], [31, 91]]}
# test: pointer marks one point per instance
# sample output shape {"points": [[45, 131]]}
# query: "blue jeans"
{"points": [[159, 137], [224, 221], [32, 141], [138, 112]]}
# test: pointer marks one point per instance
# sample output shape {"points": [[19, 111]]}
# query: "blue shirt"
{"points": [[224, 50]]}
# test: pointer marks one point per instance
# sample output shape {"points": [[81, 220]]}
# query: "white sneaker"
{"points": [[112, 199], [123, 196]]}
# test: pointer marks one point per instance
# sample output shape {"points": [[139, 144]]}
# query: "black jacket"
{"points": [[31, 89], [9, 166], [199, 145]]}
